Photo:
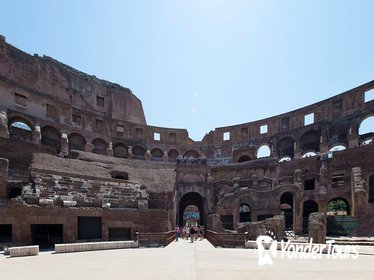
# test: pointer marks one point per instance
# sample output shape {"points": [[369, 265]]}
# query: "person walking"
{"points": [[177, 231]]}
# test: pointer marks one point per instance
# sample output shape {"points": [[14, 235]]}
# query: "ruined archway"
{"points": [[309, 206], [20, 129], [51, 136], [191, 198], [76, 142], [287, 206]]}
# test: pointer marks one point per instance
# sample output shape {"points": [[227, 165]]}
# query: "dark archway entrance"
{"points": [[191, 198], [286, 204], [309, 207]]}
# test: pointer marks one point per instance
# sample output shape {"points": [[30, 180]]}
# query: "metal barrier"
{"points": [[155, 239], [226, 239]]}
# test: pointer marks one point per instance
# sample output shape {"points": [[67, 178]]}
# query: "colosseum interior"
{"points": [[79, 162]]}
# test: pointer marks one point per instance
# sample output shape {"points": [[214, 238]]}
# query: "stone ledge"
{"points": [[93, 246], [24, 251]]}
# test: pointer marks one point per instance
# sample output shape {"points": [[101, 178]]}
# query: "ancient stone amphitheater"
{"points": [[79, 162]]}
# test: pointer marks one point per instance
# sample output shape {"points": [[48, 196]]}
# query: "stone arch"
{"points": [[244, 213], [51, 136], [310, 141], [76, 141], [336, 148], [138, 151], [191, 198], [244, 158], [366, 129], [287, 201], [286, 147], [20, 128], [157, 154], [338, 207], [100, 146], [263, 151], [173, 154], [192, 153], [337, 133], [309, 206], [120, 150]]}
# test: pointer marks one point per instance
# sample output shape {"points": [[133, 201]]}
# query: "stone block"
{"points": [[23, 251]]}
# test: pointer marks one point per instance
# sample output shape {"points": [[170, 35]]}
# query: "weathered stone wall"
{"points": [[21, 217], [317, 227], [4, 163], [67, 191], [273, 227]]}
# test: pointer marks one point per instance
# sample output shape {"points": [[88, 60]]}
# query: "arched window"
{"points": [[244, 158], [173, 154], [20, 130], [157, 154], [309, 154], [76, 142], [100, 146], [263, 151], [310, 141], [191, 153], [335, 149], [245, 213], [120, 150], [51, 136], [138, 152], [286, 147], [337, 207], [366, 130], [284, 159]]}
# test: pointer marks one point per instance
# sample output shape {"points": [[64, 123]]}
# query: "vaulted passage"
{"points": [[191, 199], [47, 236]]}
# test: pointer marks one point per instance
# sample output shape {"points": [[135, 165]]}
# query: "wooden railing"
{"points": [[155, 239], [226, 239]]}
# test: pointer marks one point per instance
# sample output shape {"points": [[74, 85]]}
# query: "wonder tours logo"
{"points": [[268, 247]]}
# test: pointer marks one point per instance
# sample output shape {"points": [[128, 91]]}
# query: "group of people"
{"points": [[192, 232]]}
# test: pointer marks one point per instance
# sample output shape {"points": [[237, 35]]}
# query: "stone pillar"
{"points": [[4, 163], [109, 150], [165, 157], [129, 153], [297, 150], [274, 148], [353, 137], [317, 227], [324, 146], [36, 134], [89, 147], [64, 145], [148, 155], [4, 132]]}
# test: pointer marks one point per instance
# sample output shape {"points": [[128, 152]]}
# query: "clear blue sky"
{"points": [[202, 64]]}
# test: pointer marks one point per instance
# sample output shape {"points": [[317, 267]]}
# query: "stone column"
{"points": [[274, 148], [4, 163], [36, 135], [148, 155], [353, 137], [129, 153], [109, 150], [64, 145], [165, 156], [4, 132]]}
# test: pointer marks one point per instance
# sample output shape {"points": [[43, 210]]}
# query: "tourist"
{"points": [[177, 232], [192, 233]]}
